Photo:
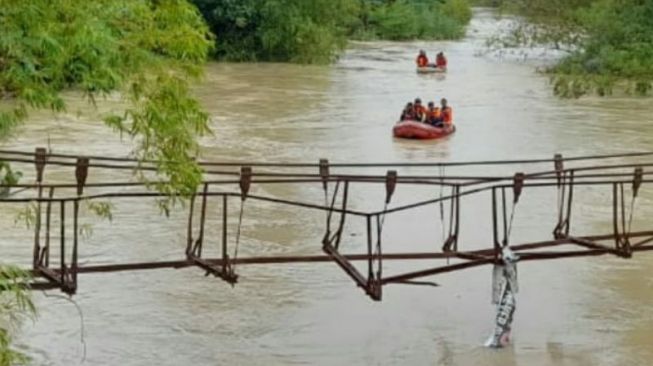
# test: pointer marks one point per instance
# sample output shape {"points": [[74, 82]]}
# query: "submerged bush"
{"points": [[407, 20], [611, 43]]}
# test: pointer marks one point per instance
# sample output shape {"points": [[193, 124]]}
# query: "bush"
{"points": [[406, 20], [611, 42], [279, 30], [315, 31], [618, 48]]}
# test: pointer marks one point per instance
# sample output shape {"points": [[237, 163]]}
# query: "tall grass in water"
{"points": [[407, 20]]}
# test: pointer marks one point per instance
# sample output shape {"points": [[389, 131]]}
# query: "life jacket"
{"points": [[422, 61], [434, 114], [447, 116], [441, 61]]}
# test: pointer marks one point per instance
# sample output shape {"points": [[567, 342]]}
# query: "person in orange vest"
{"points": [[446, 112], [441, 61], [422, 60], [419, 110], [433, 115]]}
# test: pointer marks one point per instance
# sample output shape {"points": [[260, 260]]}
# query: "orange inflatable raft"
{"points": [[421, 131]]}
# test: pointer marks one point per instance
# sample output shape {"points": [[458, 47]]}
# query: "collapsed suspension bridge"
{"points": [[56, 260]]}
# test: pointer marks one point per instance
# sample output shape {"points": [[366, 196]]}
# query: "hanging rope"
{"points": [[442, 223], [391, 183], [512, 218], [240, 224], [561, 192], [623, 239], [327, 239], [324, 173], [245, 182], [637, 182], [445, 239], [518, 184], [379, 233]]}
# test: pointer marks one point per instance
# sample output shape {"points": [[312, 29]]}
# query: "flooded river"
{"points": [[573, 312]]}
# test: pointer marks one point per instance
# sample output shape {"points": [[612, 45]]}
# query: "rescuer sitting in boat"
{"points": [[422, 123], [446, 112], [419, 110], [440, 61], [408, 113], [422, 60], [433, 115]]}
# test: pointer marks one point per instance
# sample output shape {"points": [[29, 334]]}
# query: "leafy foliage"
{"points": [[8, 177], [316, 31], [279, 30], [617, 51], [611, 42], [405, 20], [146, 50], [15, 304]]}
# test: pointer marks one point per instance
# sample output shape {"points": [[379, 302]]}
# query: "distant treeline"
{"points": [[611, 42], [315, 31]]}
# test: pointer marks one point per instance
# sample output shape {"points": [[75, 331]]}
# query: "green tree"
{"points": [[413, 19], [279, 30], [316, 31], [145, 51], [610, 42], [617, 51]]}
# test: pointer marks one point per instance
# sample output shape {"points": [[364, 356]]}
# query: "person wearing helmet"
{"points": [[446, 112], [422, 60], [419, 110]]}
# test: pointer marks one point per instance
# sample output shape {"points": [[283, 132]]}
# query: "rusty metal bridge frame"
{"points": [[564, 174]]}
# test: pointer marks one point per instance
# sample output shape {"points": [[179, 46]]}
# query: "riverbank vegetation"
{"points": [[316, 31], [409, 20], [610, 42]]}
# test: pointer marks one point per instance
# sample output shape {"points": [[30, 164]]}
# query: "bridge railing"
{"points": [[231, 181]]}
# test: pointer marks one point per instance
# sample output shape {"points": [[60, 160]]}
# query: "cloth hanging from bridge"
{"points": [[504, 289]]}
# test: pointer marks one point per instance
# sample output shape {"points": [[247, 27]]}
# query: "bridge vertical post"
{"points": [[570, 197], [457, 226], [373, 285], [495, 225], [81, 173], [563, 227], [39, 162], [622, 236], [558, 165], [189, 231], [343, 214], [454, 222], [324, 174], [504, 241], [378, 256], [370, 260], [44, 258], [62, 245], [197, 249], [226, 268]]}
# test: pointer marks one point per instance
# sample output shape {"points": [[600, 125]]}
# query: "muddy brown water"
{"points": [[595, 311]]}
